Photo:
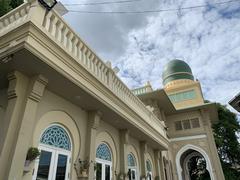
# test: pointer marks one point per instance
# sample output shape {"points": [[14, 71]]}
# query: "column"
{"points": [[143, 151], [217, 171], [94, 118], [162, 172], [24, 95], [159, 166], [124, 141]]}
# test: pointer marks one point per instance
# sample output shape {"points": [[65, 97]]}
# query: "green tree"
{"points": [[7, 5], [4, 7], [225, 134], [15, 3]]}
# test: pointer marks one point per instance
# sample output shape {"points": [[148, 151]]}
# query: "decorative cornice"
{"points": [[188, 138]]}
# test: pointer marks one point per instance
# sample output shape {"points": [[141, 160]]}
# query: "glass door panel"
{"points": [[133, 174], [61, 167], [99, 172], [107, 172], [44, 165]]}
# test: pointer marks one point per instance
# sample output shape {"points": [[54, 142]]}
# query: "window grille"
{"points": [[178, 125], [131, 160], [103, 152], [186, 124], [195, 123], [56, 136]]}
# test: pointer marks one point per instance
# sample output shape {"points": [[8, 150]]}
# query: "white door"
{"points": [[53, 164], [132, 173], [104, 170]]}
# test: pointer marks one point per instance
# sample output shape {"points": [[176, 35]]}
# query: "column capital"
{"points": [[124, 136], [144, 146], [94, 118], [15, 80], [38, 84]]}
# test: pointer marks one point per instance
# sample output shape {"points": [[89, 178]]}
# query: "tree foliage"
{"points": [[7, 5], [197, 168], [225, 134]]}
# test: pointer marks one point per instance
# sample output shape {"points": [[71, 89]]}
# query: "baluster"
{"points": [[85, 56], [55, 24], [6, 22], [64, 36], [74, 46], [89, 61], [17, 17], [80, 51], [59, 31], [70, 41], [46, 22]]}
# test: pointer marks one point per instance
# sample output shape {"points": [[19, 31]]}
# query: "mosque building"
{"points": [[58, 96]]}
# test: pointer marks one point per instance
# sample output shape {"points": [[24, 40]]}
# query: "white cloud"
{"points": [[140, 45], [207, 40]]}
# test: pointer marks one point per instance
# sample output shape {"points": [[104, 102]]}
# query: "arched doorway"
{"points": [[132, 167], [54, 160], [193, 164], [104, 162]]}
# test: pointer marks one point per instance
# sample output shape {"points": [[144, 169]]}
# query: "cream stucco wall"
{"points": [[53, 109], [184, 116], [56, 110]]}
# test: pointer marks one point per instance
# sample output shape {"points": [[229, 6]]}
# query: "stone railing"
{"points": [[57, 29], [142, 90], [15, 17]]}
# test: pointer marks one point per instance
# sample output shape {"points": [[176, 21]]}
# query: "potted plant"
{"points": [[32, 154], [84, 165]]}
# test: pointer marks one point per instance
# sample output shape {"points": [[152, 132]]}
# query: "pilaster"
{"points": [[23, 97], [16, 96], [124, 141], [214, 158], [94, 118], [157, 159], [143, 152], [161, 164], [35, 91]]}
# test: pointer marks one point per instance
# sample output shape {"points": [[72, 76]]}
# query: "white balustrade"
{"points": [[58, 29], [14, 17]]}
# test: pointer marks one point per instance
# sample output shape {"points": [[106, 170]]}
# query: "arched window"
{"points": [[132, 167], [56, 136], [149, 169], [104, 162], [54, 160], [131, 160], [103, 152]]}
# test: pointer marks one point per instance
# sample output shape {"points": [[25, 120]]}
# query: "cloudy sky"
{"points": [[208, 39]]}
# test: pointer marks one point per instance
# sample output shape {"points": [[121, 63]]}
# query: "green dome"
{"points": [[176, 69]]}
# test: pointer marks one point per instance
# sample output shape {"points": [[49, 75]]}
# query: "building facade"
{"points": [[57, 95], [235, 102]]}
